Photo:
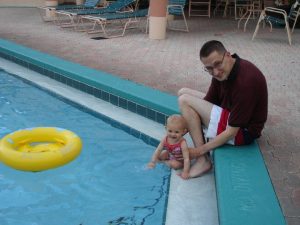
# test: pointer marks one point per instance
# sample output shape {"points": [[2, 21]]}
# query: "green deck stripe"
{"points": [[244, 190]]}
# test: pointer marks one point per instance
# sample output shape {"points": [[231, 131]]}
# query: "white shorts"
{"points": [[212, 130]]}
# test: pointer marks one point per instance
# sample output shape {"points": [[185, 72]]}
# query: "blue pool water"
{"points": [[106, 185]]}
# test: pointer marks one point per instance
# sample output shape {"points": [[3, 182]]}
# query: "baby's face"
{"points": [[175, 131]]}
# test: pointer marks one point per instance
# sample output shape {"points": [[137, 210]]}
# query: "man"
{"points": [[233, 111]]}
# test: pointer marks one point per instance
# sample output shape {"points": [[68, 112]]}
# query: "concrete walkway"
{"points": [[173, 63]]}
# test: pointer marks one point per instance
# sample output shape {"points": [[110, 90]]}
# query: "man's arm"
{"points": [[219, 140]]}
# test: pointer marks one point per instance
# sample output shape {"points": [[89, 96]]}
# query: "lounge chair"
{"points": [[176, 8], [47, 10], [72, 15], [124, 19], [279, 17], [88, 4]]}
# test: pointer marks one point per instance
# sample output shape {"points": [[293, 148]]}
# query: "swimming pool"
{"points": [[106, 184], [190, 202]]}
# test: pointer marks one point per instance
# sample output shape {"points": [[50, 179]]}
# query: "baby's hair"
{"points": [[176, 118]]}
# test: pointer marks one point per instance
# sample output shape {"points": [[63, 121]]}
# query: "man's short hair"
{"points": [[210, 47]]}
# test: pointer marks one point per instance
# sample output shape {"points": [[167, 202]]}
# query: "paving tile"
{"points": [[289, 209], [282, 189], [293, 220], [296, 197], [294, 181]]}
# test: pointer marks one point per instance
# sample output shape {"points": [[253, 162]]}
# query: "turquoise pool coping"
{"points": [[245, 192]]}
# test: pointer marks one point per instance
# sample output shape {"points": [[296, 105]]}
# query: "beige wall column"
{"points": [[50, 14], [157, 19], [51, 3], [79, 2]]}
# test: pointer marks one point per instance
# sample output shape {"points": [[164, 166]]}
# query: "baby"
{"points": [[173, 149]]}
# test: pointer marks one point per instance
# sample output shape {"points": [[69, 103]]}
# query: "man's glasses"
{"points": [[217, 65]]}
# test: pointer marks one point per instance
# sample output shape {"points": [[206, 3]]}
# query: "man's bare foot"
{"points": [[201, 166]]}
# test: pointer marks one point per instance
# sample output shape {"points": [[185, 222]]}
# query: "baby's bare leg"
{"points": [[174, 164], [164, 155]]}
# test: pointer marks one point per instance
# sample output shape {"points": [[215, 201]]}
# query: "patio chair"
{"points": [[72, 15], [46, 11], [253, 11], [224, 4], [176, 8], [279, 17], [108, 22], [241, 7], [199, 8]]}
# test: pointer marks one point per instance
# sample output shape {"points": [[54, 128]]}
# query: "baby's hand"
{"points": [[151, 165]]}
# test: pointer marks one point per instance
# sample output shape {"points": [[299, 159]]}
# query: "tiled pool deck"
{"points": [[173, 63]]}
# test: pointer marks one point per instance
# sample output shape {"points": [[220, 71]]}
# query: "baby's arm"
{"points": [[156, 154], [186, 160]]}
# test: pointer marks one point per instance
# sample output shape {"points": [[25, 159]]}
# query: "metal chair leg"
{"points": [[261, 18]]}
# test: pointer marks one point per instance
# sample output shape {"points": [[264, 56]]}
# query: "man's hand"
{"points": [[193, 152], [196, 152]]}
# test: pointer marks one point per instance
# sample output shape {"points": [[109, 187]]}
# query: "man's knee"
{"points": [[183, 91], [183, 100], [191, 101]]}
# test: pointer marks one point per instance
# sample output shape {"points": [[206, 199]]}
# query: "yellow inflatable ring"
{"points": [[40, 148]]}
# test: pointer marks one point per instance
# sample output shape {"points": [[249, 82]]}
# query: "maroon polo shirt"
{"points": [[244, 94]]}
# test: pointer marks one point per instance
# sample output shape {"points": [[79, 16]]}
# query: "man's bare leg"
{"points": [[191, 92], [200, 167], [196, 111]]}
